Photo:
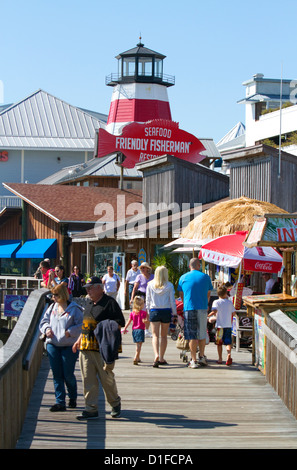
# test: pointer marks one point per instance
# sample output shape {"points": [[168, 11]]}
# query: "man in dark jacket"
{"points": [[100, 307]]}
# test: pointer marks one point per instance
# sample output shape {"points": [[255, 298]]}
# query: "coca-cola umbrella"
{"points": [[229, 251]]}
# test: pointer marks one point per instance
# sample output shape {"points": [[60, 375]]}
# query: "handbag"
{"points": [[182, 343]]}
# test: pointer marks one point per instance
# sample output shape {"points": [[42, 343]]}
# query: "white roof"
{"points": [[211, 150], [42, 121], [234, 139], [105, 166]]}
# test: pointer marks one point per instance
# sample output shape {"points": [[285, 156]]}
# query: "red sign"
{"points": [[3, 156], [238, 296], [143, 142]]}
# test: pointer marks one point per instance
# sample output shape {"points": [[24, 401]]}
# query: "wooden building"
{"points": [[54, 214], [169, 179], [259, 172]]}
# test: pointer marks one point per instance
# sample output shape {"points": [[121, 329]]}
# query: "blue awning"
{"points": [[8, 248], [40, 248]]}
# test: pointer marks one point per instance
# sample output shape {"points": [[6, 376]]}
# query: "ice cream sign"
{"points": [[142, 142]]}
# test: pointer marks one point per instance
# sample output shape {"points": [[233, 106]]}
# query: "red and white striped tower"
{"points": [[140, 89]]}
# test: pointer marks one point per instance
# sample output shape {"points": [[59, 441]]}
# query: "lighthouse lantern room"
{"points": [[139, 88]]}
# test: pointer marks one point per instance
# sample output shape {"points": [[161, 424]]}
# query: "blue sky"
{"points": [[68, 47]]}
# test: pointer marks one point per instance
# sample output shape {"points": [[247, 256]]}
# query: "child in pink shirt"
{"points": [[138, 316]]}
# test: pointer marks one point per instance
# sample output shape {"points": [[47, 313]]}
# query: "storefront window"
{"points": [[103, 257], [10, 267]]}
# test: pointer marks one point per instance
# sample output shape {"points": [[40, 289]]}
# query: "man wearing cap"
{"points": [[99, 307]]}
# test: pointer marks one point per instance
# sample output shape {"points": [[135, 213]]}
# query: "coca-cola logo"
{"points": [[263, 266]]}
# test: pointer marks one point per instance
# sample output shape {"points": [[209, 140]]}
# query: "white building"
{"points": [[270, 110], [41, 135]]}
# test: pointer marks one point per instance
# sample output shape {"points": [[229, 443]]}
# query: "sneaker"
{"points": [[193, 364], [58, 407], [87, 415], [72, 403], [203, 361], [229, 361], [148, 334], [116, 411]]}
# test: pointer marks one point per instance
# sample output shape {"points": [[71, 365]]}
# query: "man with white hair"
{"points": [[130, 278]]}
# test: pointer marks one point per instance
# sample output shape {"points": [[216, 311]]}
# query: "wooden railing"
{"points": [[281, 357], [20, 360]]}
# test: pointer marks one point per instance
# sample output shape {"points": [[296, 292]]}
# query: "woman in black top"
{"points": [[76, 282]]}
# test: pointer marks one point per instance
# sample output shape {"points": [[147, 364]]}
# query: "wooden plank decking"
{"points": [[171, 407]]}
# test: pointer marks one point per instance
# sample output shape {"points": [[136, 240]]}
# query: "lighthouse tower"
{"points": [[139, 89]]}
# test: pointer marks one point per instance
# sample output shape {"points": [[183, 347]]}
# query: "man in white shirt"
{"points": [[130, 278], [269, 282]]}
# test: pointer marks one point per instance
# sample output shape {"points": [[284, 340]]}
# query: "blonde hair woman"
{"points": [[160, 303]]}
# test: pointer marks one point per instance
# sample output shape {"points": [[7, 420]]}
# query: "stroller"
{"points": [[179, 331]]}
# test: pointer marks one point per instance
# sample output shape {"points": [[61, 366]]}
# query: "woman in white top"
{"points": [[111, 282], [160, 303]]}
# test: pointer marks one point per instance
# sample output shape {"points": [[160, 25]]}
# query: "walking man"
{"points": [[195, 288], [130, 278], [100, 307]]}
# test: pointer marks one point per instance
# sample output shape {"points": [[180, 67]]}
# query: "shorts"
{"points": [[195, 324], [138, 336], [162, 315], [223, 336]]}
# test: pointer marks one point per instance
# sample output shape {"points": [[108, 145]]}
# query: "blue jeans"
{"points": [[62, 362]]}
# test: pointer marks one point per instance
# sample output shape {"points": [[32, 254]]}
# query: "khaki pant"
{"points": [[93, 367]]}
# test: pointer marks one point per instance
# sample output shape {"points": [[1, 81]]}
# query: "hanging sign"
{"points": [[3, 156], [140, 142], [238, 296], [141, 256], [14, 304]]}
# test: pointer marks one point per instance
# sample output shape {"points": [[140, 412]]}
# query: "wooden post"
{"points": [[284, 253], [289, 272]]}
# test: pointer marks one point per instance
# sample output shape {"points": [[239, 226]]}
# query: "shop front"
{"points": [[278, 231]]}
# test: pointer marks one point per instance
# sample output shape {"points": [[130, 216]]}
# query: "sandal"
{"points": [[163, 363], [219, 362], [156, 362], [229, 361]]}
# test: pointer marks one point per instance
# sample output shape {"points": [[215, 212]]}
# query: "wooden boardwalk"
{"points": [[172, 407]]}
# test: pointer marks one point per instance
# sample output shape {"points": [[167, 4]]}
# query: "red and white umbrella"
{"points": [[229, 251]]}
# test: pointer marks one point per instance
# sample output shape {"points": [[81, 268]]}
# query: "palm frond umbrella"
{"points": [[228, 217]]}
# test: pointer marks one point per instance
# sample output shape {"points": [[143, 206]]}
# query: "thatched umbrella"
{"points": [[228, 217]]}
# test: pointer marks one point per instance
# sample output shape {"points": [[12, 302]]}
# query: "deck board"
{"points": [[167, 408]]}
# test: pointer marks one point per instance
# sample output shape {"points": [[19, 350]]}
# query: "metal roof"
{"points": [[105, 166], [257, 97], [142, 51], [211, 150], [235, 138], [42, 121]]}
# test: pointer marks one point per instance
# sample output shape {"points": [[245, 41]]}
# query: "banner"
{"points": [[238, 296], [140, 142], [14, 304]]}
